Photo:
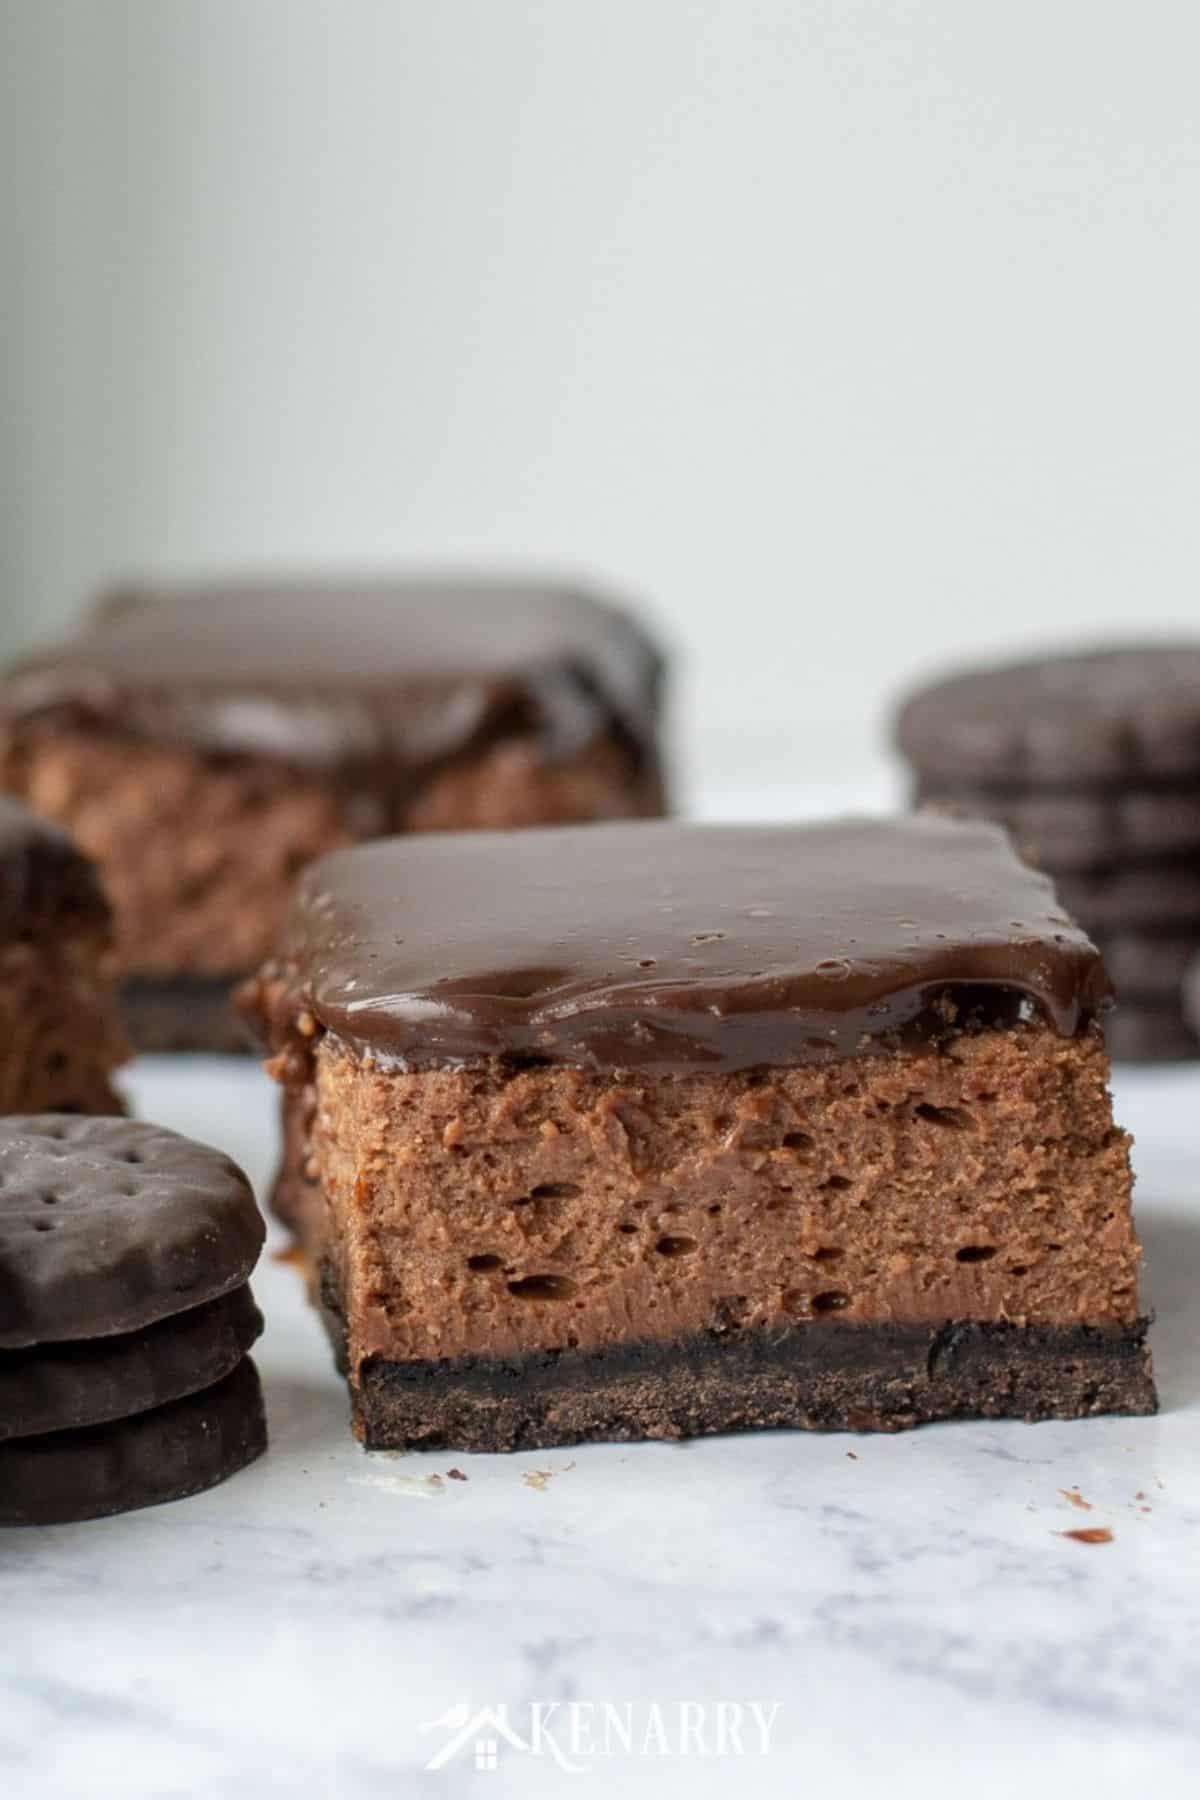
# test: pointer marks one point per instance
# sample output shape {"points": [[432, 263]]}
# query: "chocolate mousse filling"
{"points": [[655, 1130]]}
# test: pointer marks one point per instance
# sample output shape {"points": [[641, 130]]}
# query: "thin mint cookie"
{"points": [[1147, 968], [1111, 714], [1076, 828], [1191, 994], [1150, 1034], [108, 1225], [62, 1387], [1163, 893], [166, 1454]]}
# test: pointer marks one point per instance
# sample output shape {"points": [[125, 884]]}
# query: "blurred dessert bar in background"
{"points": [[59, 1019], [203, 744]]}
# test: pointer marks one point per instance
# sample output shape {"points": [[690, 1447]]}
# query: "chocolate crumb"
{"points": [[540, 1479], [455, 1475], [1088, 1534], [853, 1455], [1076, 1499]]}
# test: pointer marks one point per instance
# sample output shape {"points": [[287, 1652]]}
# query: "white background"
{"points": [[856, 335]]}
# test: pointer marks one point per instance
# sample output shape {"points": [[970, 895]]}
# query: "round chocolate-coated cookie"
{"points": [[108, 1225], [1191, 994], [1161, 894], [62, 1387], [1076, 829], [1149, 1034], [1147, 968], [1108, 714], [166, 1454]]}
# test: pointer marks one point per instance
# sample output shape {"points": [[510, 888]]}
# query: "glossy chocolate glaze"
{"points": [[346, 674], [46, 883], [671, 947]]}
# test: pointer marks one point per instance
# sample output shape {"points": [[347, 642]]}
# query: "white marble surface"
{"points": [[905, 1600]]}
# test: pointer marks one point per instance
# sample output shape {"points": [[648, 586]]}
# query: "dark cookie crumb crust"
{"points": [[811, 1377]]}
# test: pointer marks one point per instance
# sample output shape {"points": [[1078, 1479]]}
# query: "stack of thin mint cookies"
{"points": [[125, 1318], [1092, 762]]}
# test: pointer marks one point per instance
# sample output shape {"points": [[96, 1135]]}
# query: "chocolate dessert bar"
{"points": [[657, 1129], [204, 744], [59, 1024]]}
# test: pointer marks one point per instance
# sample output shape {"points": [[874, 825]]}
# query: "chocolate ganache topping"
{"points": [[349, 674], [672, 947]]}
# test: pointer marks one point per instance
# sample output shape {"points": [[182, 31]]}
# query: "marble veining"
{"points": [[908, 1602]]}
